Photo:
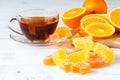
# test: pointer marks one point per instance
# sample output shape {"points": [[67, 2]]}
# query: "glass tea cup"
{"points": [[36, 24]]}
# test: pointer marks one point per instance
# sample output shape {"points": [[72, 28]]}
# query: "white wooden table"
{"points": [[24, 62]]}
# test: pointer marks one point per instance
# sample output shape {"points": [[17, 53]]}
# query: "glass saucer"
{"points": [[23, 39]]}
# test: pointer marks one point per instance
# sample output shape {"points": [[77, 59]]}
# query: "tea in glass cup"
{"points": [[37, 24]]}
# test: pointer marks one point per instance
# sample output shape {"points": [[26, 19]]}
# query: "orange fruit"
{"points": [[89, 20], [72, 16], [48, 60], [103, 16], [114, 17], [95, 6], [59, 56], [100, 30], [96, 61], [104, 51], [81, 68]]}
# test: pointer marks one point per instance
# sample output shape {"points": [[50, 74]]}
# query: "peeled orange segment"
{"points": [[63, 32], [100, 30], [114, 17], [83, 42], [72, 16], [79, 56], [59, 56], [104, 51]]}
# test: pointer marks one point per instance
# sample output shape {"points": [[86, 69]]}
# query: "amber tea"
{"points": [[38, 28], [36, 24]]}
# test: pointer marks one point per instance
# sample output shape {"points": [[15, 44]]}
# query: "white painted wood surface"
{"points": [[24, 62]]}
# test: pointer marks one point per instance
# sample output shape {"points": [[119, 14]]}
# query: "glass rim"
{"points": [[42, 10]]}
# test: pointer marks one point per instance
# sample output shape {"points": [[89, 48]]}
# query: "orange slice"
{"points": [[72, 16], [100, 30], [114, 17], [103, 16], [89, 20]]}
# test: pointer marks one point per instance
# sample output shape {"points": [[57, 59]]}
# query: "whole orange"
{"points": [[95, 6]]}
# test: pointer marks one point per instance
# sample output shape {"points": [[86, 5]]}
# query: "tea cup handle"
{"points": [[11, 27]]}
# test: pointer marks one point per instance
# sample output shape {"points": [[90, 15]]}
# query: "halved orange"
{"points": [[100, 30], [114, 17], [89, 20], [72, 16]]}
